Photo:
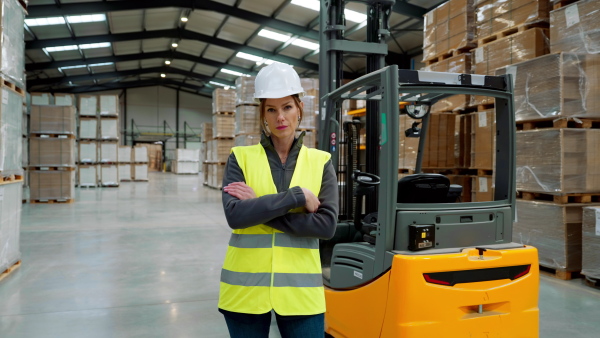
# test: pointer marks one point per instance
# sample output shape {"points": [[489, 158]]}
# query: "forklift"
{"points": [[409, 259]]}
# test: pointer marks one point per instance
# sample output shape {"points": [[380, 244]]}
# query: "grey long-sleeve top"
{"points": [[273, 210]]}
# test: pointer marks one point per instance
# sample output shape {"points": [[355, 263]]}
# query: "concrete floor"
{"points": [[143, 260]]}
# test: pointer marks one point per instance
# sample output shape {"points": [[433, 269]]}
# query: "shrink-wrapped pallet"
{"points": [[64, 99], [109, 175], [456, 64], [109, 152], [449, 27], [215, 175], [88, 128], [558, 161], [495, 16], [88, 105], [590, 265], [247, 120], [42, 99], [482, 188], [186, 167], [247, 140], [187, 155], [109, 129], [576, 28], [124, 172], [52, 120], [12, 62], [11, 116], [140, 154], [219, 150], [408, 147], [140, 172], [88, 175], [223, 100], [512, 49], [51, 152], [108, 105], [124, 154], [244, 90], [310, 86], [554, 230], [56, 185], [310, 139], [88, 152], [223, 126], [10, 224], [556, 85]]}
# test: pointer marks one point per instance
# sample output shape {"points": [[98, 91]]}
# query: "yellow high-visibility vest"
{"points": [[264, 268]]}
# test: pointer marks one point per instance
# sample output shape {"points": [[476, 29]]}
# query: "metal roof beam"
{"points": [[170, 33], [42, 11], [97, 76], [410, 10], [171, 55], [136, 84]]}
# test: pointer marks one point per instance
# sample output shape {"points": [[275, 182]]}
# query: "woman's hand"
{"points": [[240, 190], [312, 202]]}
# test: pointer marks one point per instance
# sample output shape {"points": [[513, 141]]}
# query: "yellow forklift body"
{"points": [[417, 307]]}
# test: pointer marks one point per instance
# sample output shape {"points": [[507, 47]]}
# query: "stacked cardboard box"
{"points": [[449, 28], [10, 224], [142, 160], [206, 129], [89, 142], [11, 131], [187, 161], [12, 62], [52, 153], [244, 90], [590, 265], [576, 28], [223, 101], [124, 158], [456, 64], [506, 16]]}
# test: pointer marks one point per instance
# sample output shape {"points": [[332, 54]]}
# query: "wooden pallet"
{"points": [[108, 116], [485, 106], [72, 200], [562, 3], [559, 273], [592, 282], [11, 269], [510, 31], [48, 168], [11, 86], [560, 199], [447, 55], [224, 113], [140, 180], [11, 179], [584, 123], [50, 135]]}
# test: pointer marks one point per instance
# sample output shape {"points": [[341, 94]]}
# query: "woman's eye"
{"points": [[288, 107], [270, 110]]}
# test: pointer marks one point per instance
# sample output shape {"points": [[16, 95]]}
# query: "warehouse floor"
{"points": [[143, 260]]}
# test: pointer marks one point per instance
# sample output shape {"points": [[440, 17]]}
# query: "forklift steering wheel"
{"points": [[365, 179]]}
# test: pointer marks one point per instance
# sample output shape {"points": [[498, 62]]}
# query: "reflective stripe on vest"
{"points": [[265, 268]]}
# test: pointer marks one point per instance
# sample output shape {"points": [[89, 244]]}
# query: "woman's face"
{"points": [[282, 116]]}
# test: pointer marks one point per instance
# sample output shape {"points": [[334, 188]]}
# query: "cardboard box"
{"points": [[140, 171], [52, 120], [501, 15], [11, 116], [554, 230], [244, 90], [483, 141], [88, 175], [215, 175], [88, 128], [223, 126], [512, 49], [125, 172], [51, 152], [245, 140], [58, 185], [456, 64], [140, 154], [207, 131], [109, 129], [556, 85], [451, 26], [558, 161], [482, 189], [108, 105], [187, 155], [109, 175], [223, 100], [88, 105], [109, 152], [463, 141], [154, 153], [64, 99], [219, 150], [310, 112], [185, 167], [41, 99], [124, 154], [88, 152], [590, 265], [576, 28], [12, 61]]}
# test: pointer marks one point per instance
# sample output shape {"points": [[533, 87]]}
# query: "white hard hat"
{"points": [[277, 80]]}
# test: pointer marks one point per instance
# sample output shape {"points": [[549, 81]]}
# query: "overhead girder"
{"points": [[117, 74], [137, 84], [169, 55], [42, 11]]}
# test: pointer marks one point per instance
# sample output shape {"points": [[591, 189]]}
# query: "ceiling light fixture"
{"points": [[167, 62], [315, 6], [184, 19], [60, 48], [259, 60], [86, 18], [174, 45], [45, 21], [285, 38], [163, 75], [273, 35], [95, 45], [232, 72]]}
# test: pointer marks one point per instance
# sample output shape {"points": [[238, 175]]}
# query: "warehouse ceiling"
{"points": [[192, 45]]}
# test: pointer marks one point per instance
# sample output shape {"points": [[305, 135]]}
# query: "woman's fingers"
{"points": [[240, 190]]}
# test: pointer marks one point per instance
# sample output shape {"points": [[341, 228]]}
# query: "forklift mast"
{"points": [[333, 47]]}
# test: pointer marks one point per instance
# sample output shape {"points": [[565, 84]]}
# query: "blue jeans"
{"points": [[241, 325]]}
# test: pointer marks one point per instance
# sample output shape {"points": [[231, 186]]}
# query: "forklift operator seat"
{"points": [[426, 188]]}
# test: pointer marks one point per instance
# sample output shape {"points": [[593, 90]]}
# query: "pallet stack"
{"points": [[557, 102], [187, 161], [124, 159], [247, 120], [140, 163], [12, 83], [311, 110], [88, 161], [108, 113], [52, 154], [590, 265], [206, 132], [223, 128]]}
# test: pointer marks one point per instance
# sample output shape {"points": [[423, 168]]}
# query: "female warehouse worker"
{"points": [[280, 198]]}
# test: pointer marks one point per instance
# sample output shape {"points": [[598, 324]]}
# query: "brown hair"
{"points": [[262, 107]]}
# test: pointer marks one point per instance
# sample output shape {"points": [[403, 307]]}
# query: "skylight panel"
{"points": [[219, 84], [60, 48], [45, 21], [273, 35], [305, 44], [86, 18], [315, 6], [95, 45], [232, 72]]}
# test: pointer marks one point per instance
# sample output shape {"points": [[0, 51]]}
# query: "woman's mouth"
{"points": [[281, 127]]}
